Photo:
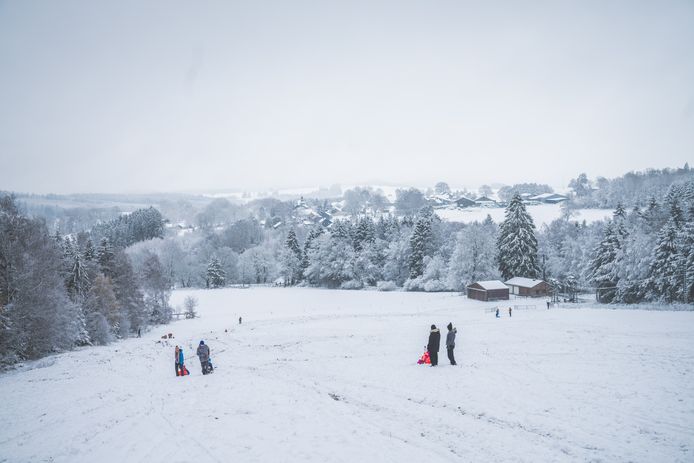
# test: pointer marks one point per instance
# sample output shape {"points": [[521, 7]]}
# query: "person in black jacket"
{"points": [[433, 346]]}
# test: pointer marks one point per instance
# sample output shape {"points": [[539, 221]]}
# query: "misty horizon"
{"points": [[176, 97]]}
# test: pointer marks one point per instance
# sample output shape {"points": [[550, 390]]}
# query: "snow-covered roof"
{"points": [[492, 284], [542, 196], [523, 282], [465, 201], [545, 196]]}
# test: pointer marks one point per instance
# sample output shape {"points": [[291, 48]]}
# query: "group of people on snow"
{"points": [[203, 354], [431, 354], [509, 312], [435, 343]]}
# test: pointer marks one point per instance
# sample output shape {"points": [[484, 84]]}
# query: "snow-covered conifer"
{"points": [[517, 245], [665, 280], [216, 278]]}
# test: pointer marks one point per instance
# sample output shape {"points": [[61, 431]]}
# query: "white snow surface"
{"points": [[542, 214], [324, 375]]}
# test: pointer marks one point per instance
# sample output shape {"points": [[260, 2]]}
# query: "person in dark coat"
{"points": [[509, 311], [497, 312], [450, 342], [204, 356], [433, 345]]}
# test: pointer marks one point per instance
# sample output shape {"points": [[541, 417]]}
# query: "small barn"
{"points": [[492, 290], [530, 287], [485, 201], [464, 202]]}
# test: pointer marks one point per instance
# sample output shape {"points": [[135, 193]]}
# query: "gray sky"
{"points": [[161, 96]]}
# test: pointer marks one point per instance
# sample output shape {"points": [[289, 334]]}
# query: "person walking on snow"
{"points": [[497, 312], [204, 356], [178, 356], [433, 345], [450, 342], [509, 311]]}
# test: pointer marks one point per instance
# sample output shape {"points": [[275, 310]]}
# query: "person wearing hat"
{"points": [[433, 345], [204, 356], [450, 342]]}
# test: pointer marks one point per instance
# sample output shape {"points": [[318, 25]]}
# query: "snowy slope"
{"points": [[319, 375]]}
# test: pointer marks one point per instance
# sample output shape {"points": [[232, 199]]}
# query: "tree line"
{"points": [[58, 292]]}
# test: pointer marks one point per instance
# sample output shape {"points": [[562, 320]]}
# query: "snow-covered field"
{"points": [[541, 213], [319, 375]]}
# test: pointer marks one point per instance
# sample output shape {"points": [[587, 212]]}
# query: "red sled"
{"points": [[184, 371], [424, 359]]}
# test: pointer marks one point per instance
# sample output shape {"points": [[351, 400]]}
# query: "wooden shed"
{"points": [[492, 290], [530, 287], [464, 202]]}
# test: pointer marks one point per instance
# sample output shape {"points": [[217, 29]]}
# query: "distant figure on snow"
{"points": [[177, 357], [450, 342], [509, 311], [239, 320], [497, 312], [433, 345], [547, 305], [180, 366], [204, 356], [138, 332]]}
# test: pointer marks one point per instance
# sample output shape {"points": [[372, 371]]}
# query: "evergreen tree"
{"points": [[652, 205], [342, 230], [89, 251], [517, 245], [78, 279], [308, 246], [420, 244], [620, 213], [602, 268], [216, 277], [292, 259], [365, 233], [676, 213], [105, 256], [686, 247], [667, 267], [293, 244]]}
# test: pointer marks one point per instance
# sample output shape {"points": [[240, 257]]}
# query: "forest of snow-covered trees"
{"points": [[113, 278], [641, 254], [57, 292]]}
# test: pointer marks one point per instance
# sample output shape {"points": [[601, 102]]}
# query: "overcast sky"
{"points": [[164, 96]]}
